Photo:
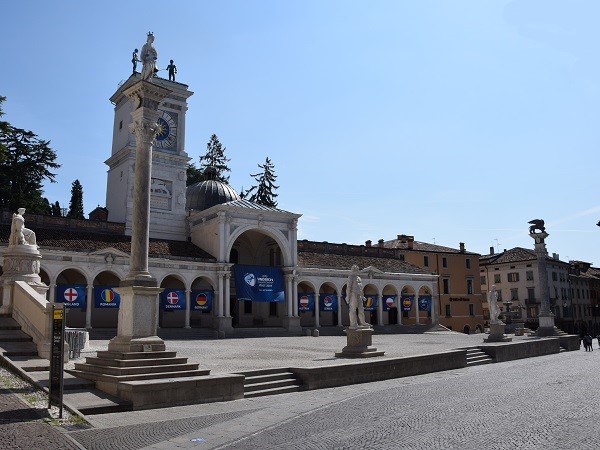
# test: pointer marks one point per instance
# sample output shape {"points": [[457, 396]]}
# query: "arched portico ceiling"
{"points": [[204, 280], [282, 241], [172, 278]]}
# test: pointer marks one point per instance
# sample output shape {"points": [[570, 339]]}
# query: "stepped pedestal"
{"points": [[359, 342], [497, 334]]}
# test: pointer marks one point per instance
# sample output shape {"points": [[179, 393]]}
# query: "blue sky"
{"points": [[452, 121]]}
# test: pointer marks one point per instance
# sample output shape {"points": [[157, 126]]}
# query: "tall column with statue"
{"points": [[137, 325], [537, 231]]}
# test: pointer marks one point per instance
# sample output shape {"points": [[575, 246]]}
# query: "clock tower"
{"points": [[169, 162]]}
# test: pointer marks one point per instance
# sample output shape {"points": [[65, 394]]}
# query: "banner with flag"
{"points": [[424, 302], [72, 295], [201, 300], [258, 283], [328, 302], [106, 297], [389, 302], [306, 302], [370, 303], [172, 299], [407, 302]]}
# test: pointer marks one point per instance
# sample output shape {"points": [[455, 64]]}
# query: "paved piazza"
{"points": [[548, 402]]}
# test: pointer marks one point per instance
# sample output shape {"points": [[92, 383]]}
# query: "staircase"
{"points": [[20, 354], [263, 382], [477, 357]]}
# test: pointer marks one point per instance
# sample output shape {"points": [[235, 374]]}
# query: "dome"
{"points": [[209, 193]]}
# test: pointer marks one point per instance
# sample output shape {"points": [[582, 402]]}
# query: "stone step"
{"points": [[276, 391], [14, 336], [94, 401], [111, 370], [268, 371], [135, 355], [70, 382], [31, 363], [136, 377], [8, 323], [270, 377], [134, 362], [11, 349], [267, 385], [476, 357]]}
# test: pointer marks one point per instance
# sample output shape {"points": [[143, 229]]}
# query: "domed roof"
{"points": [[209, 193]]}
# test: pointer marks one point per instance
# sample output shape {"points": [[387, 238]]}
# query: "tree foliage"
{"points": [[76, 203], [264, 192], [213, 164], [29, 161], [56, 209], [3, 129]]}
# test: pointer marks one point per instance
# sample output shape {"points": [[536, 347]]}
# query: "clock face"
{"points": [[166, 134]]}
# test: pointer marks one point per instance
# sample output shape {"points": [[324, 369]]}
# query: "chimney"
{"points": [[555, 256], [380, 242], [368, 243], [462, 247], [411, 241], [491, 250]]}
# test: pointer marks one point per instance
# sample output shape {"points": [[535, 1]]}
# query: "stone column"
{"points": [[188, 307], [295, 297], [220, 309], [52, 293], [227, 294], [88, 306], [289, 295], [545, 316], [317, 318], [138, 318], [417, 309], [379, 309], [339, 310]]}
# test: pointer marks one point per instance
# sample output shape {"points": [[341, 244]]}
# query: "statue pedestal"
{"points": [[359, 342], [546, 327], [21, 263], [497, 334]]}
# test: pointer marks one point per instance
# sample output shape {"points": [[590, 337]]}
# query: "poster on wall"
{"points": [[328, 302], [407, 302], [389, 302], [172, 299], [72, 295], [106, 297], [258, 283], [370, 303], [306, 302], [201, 300], [424, 302]]}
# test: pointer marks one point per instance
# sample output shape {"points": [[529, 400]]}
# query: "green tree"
{"points": [[3, 129], [76, 203], [264, 192], [29, 162], [56, 209], [213, 165]]}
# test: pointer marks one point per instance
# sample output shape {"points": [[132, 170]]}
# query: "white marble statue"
{"points": [[148, 57], [493, 305], [355, 298], [19, 235]]}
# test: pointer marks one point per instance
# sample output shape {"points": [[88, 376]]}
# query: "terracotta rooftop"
{"points": [[337, 261], [90, 241], [424, 247], [517, 254]]}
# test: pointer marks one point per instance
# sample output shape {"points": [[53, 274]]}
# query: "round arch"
{"points": [[174, 288], [75, 316], [276, 235], [328, 318], [104, 316], [306, 291], [201, 288]]}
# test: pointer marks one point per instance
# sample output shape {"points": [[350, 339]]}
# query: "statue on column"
{"points": [[19, 235], [493, 305], [355, 299], [135, 60], [149, 57]]}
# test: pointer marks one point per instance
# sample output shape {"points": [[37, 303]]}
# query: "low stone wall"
{"points": [[384, 369], [570, 342], [148, 394], [508, 351]]}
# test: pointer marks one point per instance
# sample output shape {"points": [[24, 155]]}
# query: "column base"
{"points": [[129, 344], [497, 333], [359, 342], [223, 326]]}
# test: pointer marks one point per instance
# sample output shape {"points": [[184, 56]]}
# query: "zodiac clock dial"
{"points": [[166, 135]]}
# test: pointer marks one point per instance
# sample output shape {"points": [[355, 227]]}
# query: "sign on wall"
{"points": [[328, 302], [106, 297], [424, 302], [258, 283], [407, 302], [370, 303], [389, 302], [172, 299], [306, 302], [201, 300], [72, 295]]}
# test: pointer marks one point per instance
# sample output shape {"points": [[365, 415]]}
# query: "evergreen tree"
{"points": [[3, 129], [47, 211], [214, 160], [56, 209], [264, 192], [76, 203], [194, 175], [28, 162]]}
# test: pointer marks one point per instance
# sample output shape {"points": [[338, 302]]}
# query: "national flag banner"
{"points": [[172, 299], [306, 302], [389, 302], [407, 302], [258, 283], [72, 295], [328, 302], [424, 302], [370, 303], [201, 300], [106, 297]]}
